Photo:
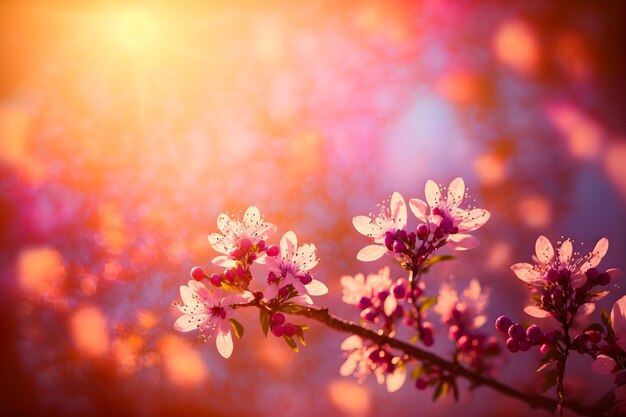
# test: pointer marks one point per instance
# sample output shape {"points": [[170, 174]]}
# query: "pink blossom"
{"points": [[447, 214], [252, 228], [618, 319], [469, 308], [354, 288], [546, 257], [292, 267], [359, 364], [208, 312], [390, 219]]}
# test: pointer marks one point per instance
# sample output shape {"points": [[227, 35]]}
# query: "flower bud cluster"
{"points": [[521, 340]]}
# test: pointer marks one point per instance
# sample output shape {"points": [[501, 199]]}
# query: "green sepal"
{"points": [[237, 327]]}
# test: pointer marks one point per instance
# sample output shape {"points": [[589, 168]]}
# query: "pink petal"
{"points": [[219, 244], [224, 339], [390, 305], [544, 249], [586, 309], [371, 253], [252, 218], [614, 272], [578, 280], [565, 252], [348, 367], [473, 219], [598, 253], [456, 192], [398, 210], [302, 300], [526, 272], [461, 241], [536, 312], [433, 194], [618, 318], [288, 245], [187, 295], [189, 322], [351, 343], [366, 226], [316, 288], [224, 261], [419, 209], [224, 224], [396, 379], [603, 365]]}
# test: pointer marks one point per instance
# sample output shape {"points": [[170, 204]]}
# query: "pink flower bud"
{"points": [[197, 273], [455, 332], [534, 334], [503, 323], [229, 275], [364, 303], [278, 319], [240, 271], [545, 348], [551, 275], [399, 291], [422, 231], [278, 331], [512, 345], [603, 279], [516, 331], [524, 345], [594, 336], [237, 253], [215, 279], [261, 245], [306, 279], [245, 244], [252, 257], [421, 383], [289, 329], [283, 292], [465, 343], [273, 250], [428, 340]]}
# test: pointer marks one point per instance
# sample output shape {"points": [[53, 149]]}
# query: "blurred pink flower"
{"points": [[252, 228], [292, 266], [354, 288], [390, 219], [468, 309], [618, 319], [446, 213], [209, 311]]}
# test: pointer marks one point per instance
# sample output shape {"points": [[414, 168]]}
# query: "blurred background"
{"points": [[125, 129]]}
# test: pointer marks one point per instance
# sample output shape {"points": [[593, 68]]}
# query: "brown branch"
{"points": [[534, 401]]}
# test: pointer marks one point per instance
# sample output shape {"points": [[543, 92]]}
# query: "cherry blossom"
{"points": [[249, 232], [467, 309], [357, 287], [390, 219], [209, 312], [292, 267], [448, 215], [364, 358]]}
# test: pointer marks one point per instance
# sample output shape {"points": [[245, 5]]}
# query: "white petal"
{"points": [[316, 288], [473, 219], [603, 365], [302, 300], [586, 309], [371, 253], [348, 367], [598, 253], [433, 194], [225, 224], [189, 322], [224, 339], [220, 244], [544, 249], [366, 226], [187, 295], [526, 272], [351, 343], [461, 241], [390, 305], [288, 245], [224, 261], [565, 252], [419, 209], [618, 318], [456, 192], [398, 210], [396, 380], [536, 312], [252, 218]]}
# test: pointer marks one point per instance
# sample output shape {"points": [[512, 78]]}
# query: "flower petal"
{"points": [[371, 253], [390, 305], [461, 241], [220, 244], [536, 312], [189, 322], [419, 209], [618, 318], [224, 339], [398, 210], [456, 192], [597, 253], [433, 194], [187, 295], [526, 272], [473, 219], [316, 288], [586, 309], [351, 343], [252, 218], [288, 245], [224, 261], [396, 379], [348, 367], [603, 365], [271, 291], [225, 224], [544, 249], [565, 252], [366, 226]]}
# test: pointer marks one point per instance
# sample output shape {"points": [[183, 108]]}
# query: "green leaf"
{"points": [[300, 334], [230, 287], [441, 390], [291, 308], [428, 303], [550, 380], [291, 343], [551, 356], [417, 372], [414, 339], [265, 322], [237, 327], [434, 260]]}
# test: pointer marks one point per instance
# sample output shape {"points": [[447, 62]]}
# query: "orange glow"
{"points": [[350, 398], [138, 29], [574, 56], [113, 233], [274, 354], [535, 211], [89, 285], [490, 169], [15, 123], [183, 364], [583, 136], [146, 320], [459, 86], [112, 270], [88, 329], [499, 256], [615, 166], [126, 351], [41, 271], [516, 46]]}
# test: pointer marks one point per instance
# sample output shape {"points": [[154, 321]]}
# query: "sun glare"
{"points": [[135, 29]]}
